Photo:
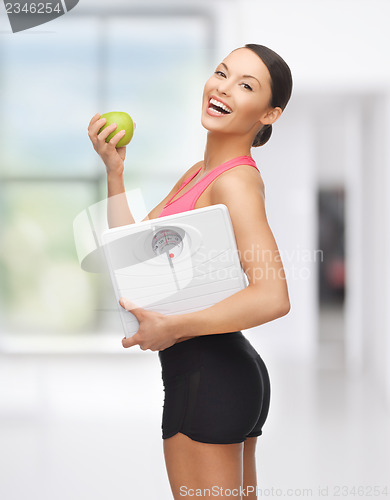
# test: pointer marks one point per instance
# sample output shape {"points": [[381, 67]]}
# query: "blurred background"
{"points": [[80, 416]]}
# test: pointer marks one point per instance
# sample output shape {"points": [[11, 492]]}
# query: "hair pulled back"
{"points": [[281, 85]]}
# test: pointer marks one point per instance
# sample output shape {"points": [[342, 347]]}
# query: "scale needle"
{"points": [[167, 252]]}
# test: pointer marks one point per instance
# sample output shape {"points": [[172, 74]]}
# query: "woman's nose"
{"points": [[223, 87]]}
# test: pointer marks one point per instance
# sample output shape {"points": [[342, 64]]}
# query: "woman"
{"points": [[217, 389]]}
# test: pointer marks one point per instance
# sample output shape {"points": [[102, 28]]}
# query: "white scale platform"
{"points": [[175, 264]]}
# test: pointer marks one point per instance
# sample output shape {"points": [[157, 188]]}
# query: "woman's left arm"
{"points": [[266, 297]]}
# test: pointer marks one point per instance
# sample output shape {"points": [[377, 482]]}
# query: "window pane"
{"points": [[42, 288], [48, 93], [156, 70]]}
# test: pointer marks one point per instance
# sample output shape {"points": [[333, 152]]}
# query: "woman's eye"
{"points": [[221, 73]]}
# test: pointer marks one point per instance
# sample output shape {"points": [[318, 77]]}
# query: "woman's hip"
{"points": [[224, 355]]}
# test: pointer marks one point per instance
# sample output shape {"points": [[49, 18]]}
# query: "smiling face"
{"points": [[241, 84]]}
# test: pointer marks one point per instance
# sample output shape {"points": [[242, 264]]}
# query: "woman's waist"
{"points": [[189, 343], [187, 356]]}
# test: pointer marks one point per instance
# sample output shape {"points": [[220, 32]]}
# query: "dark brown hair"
{"points": [[281, 85]]}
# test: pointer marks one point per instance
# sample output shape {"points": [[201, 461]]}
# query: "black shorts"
{"points": [[217, 389]]}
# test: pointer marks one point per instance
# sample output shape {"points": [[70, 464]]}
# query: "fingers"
{"points": [[94, 126], [130, 306], [117, 137], [130, 341], [137, 311], [102, 146], [94, 119], [107, 131]]}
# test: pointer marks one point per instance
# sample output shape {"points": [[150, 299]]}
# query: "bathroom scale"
{"points": [[174, 264]]}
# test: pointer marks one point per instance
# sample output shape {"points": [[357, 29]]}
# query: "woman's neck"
{"points": [[221, 148]]}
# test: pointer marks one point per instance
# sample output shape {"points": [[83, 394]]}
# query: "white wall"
{"points": [[335, 48], [330, 44]]}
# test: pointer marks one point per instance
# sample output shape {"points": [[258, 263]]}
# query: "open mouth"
{"points": [[219, 107]]}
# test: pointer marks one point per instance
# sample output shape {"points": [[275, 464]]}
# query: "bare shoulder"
{"points": [[238, 183]]}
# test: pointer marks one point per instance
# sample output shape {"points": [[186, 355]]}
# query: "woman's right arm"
{"points": [[118, 211]]}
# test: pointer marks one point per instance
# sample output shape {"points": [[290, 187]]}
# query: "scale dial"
{"points": [[167, 241]]}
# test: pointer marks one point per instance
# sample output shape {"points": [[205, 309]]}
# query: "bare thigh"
{"points": [[249, 468], [194, 465]]}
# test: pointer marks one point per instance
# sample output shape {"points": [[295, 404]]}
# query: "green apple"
{"points": [[124, 122]]}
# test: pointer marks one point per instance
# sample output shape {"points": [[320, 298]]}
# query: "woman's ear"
{"points": [[272, 116]]}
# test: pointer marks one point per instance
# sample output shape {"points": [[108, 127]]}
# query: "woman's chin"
{"points": [[204, 123], [210, 124], [209, 127]]}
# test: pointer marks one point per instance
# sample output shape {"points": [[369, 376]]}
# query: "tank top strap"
{"points": [[200, 186], [183, 185], [240, 160]]}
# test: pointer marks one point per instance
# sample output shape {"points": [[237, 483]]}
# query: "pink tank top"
{"points": [[188, 200]]}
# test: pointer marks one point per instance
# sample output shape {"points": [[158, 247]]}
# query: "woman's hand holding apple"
{"points": [[112, 156]]}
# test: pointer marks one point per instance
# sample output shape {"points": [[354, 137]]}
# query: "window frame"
{"points": [[32, 343]]}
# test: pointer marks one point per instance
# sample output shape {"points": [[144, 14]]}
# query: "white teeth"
{"points": [[220, 105]]}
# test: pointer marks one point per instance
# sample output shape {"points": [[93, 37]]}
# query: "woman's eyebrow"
{"points": [[244, 76]]}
